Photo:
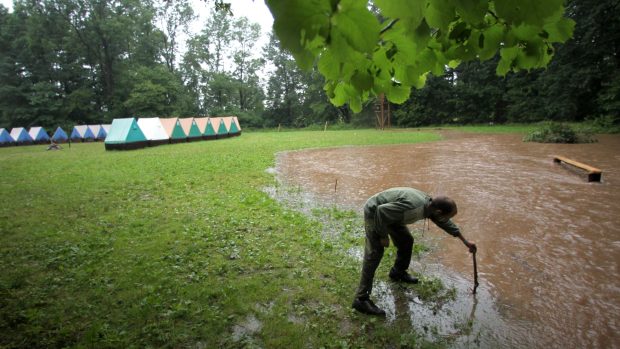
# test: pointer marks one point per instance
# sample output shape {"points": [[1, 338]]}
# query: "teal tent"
{"points": [[209, 132], [125, 134], [222, 130], [191, 129], [173, 129]]}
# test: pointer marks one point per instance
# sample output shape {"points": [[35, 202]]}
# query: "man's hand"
{"points": [[385, 242], [472, 247]]}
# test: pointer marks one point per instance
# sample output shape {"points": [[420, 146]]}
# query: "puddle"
{"points": [[247, 328], [549, 241]]}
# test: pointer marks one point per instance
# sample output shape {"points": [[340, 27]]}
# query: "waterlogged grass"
{"points": [[177, 246]]}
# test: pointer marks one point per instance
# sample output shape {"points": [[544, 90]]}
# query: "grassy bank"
{"points": [[178, 246]]}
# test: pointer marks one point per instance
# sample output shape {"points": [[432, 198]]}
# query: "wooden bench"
{"points": [[594, 174]]}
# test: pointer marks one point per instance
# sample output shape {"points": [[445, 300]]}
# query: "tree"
{"points": [[284, 85], [245, 35], [361, 56], [174, 16]]}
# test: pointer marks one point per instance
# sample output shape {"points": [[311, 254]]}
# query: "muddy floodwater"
{"points": [[548, 241]]}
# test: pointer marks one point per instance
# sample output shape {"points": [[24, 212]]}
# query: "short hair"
{"points": [[444, 204]]}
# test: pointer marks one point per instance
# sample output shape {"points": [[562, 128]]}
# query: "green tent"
{"points": [[125, 134], [222, 131], [209, 130], [235, 129]]}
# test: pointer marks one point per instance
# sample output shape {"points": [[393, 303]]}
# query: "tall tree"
{"points": [[244, 37], [174, 16]]}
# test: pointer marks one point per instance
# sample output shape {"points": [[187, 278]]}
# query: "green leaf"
{"points": [[340, 95], [472, 11], [362, 81], [298, 23], [534, 12], [421, 81], [398, 93], [454, 63], [359, 28], [525, 31], [329, 66], [561, 30], [355, 104], [409, 12], [439, 14], [507, 55], [492, 37], [531, 55]]}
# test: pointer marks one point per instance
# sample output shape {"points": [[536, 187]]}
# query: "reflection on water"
{"points": [[549, 241]]}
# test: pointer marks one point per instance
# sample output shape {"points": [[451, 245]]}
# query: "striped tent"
{"points": [[82, 133], [96, 131], [102, 134], [38, 135], [173, 129], [235, 128], [106, 128], [153, 131], [191, 129], [60, 136], [227, 121], [202, 125], [125, 134], [5, 138], [20, 136], [215, 123]]}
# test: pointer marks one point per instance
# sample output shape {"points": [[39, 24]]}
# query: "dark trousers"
{"points": [[373, 252]]}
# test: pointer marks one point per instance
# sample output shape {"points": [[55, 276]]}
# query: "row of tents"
{"points": [[132, 133], [38, 135]]}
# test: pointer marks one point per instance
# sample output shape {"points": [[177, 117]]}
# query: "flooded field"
{"points": [[548, 241]]}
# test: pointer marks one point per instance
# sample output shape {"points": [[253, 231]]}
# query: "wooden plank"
{"points": [[594, 174]]}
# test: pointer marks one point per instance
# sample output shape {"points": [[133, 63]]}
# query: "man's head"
{"points": [[442, 208]]}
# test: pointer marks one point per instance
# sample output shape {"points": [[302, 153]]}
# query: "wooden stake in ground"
{"points": [[475, 273]]}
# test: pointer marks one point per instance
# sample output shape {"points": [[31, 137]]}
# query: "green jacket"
{"points": [[401, 206]]}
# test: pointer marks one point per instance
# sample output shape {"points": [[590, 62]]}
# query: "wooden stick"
{"points": [[475, 273]]}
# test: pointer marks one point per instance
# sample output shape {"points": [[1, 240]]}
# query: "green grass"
{"points": [[176, 246]]}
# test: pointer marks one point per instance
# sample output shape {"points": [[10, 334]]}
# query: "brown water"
{"points": [[548, 241]]}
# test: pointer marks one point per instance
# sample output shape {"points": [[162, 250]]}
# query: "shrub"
{"points": [[552, 132]]}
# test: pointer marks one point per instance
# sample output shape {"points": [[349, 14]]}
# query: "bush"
{"points": [[552, 132]]}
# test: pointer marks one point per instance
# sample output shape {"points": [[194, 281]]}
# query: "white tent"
{"points": [[153, 131]]}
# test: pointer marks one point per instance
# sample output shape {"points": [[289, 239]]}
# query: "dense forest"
{"points": [[66, 62]]}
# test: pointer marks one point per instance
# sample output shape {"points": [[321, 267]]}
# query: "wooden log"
{"points": [[594, 174]]}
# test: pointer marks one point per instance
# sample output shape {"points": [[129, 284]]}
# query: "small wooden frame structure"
{"points": [[594, 174], [382, 112]]}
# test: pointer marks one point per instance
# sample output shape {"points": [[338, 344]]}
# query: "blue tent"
{"points": [[88, 135], [20, 135], [5, 138], [39, 135], [102, 134], [60, 136]]}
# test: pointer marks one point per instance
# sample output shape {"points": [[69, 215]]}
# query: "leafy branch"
{"points": [[361, 58]]}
